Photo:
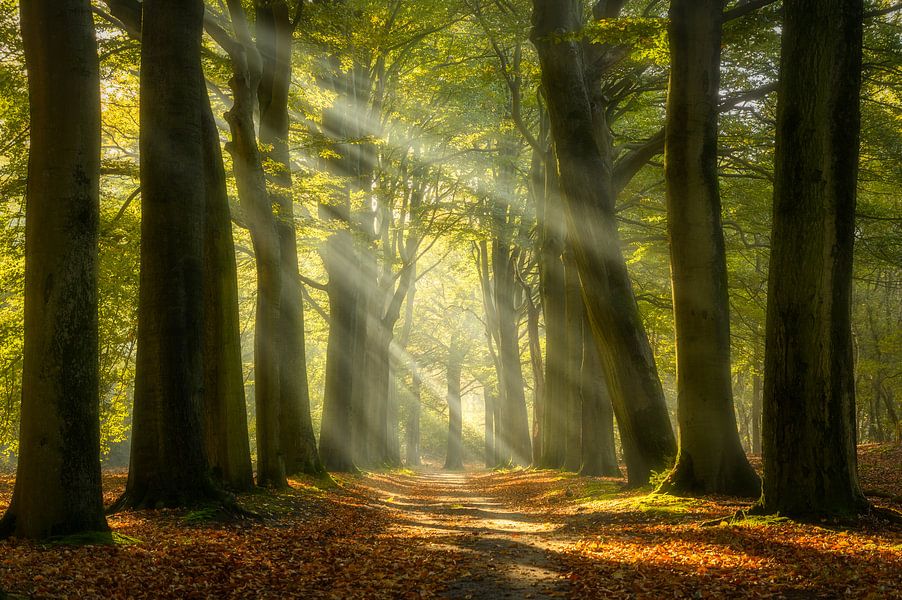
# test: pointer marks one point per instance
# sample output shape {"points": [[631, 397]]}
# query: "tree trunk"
{"points": [[336, 439], [809, 436], [274, 40], [58, 490], [711, 459], [572, 413], [225, 411], [250, 180], [489, 426], [168, 460], [554, 304], [454, 458], [413, 423], [513, 426], [586, 179], [599, 453]]}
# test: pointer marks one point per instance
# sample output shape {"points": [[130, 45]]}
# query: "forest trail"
{"points": [[508, 552]]}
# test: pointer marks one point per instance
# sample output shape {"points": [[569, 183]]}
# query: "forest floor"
{"points": [[477, 535]]}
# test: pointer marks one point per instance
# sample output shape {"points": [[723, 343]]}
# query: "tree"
{"points": [[711, 458], [585, 164], [169, 464], [810, 466], [454, 459], [58, 489]]}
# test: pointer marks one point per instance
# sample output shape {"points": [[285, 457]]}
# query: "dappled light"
{"points": [[468, 299]]}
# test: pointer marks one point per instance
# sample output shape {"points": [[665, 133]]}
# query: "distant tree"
{"points": [[711, 458], [454, 459], [58, 489], [809, 450]]}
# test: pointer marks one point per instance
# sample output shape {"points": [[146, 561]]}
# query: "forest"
{"points": [[471, 299]]}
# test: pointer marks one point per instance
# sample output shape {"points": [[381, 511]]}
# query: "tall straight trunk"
{"points": [[572, 413], [57, 490], [225, 411], [454, 457], [168, 460], [809, 436], [489, 425], [336, 438], [412, 428], [710, 459], [538, 374], [588, 191], [513, 425], [756, 396], [274, 40], [554, 304], [599, 453]]}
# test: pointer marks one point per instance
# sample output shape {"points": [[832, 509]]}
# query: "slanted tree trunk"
{"points": [[599, 453], [810, 468], [247, 161], [710, 459], [454, 458], [225, 411], [588, 193], [57, 490], [168, 460], [274, 40]]}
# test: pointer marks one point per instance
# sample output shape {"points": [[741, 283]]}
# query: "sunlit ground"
{"points": [[426, 533]]}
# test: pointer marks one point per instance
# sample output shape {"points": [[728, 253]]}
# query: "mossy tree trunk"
{"points": [[57, 489], [586, 175], [808, 436], [710, 459], [169, 464]]}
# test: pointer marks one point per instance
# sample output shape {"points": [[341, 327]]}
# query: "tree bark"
{"points": [[454, 458], [710, 459], [168, 460], [58, 489], [336, 448], [225, 411], [588, 193], [413, 423], [809, 436], [573, 409], [599, 453], [489, 426], [274, 40]]}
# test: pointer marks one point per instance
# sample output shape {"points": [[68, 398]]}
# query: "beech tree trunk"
{"points": [[412, 428], [588, 193], [554, 305], [225, 411], [454, 458], [572, 409], [489, 426], [336, 448], [599, 453], [809, 437], [168, 460], [57, 489], [274, 40], [711, 459]]}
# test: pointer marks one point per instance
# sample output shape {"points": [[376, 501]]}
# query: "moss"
{"points": [[594, 491], [95, 538]]}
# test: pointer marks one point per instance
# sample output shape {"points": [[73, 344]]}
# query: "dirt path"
{"points": [[507, 553]]}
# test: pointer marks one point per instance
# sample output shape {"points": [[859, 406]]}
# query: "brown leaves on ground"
{"points": [[479, 536]]}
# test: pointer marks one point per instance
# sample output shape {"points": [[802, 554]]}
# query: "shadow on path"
{"points": [[507, 553]]}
